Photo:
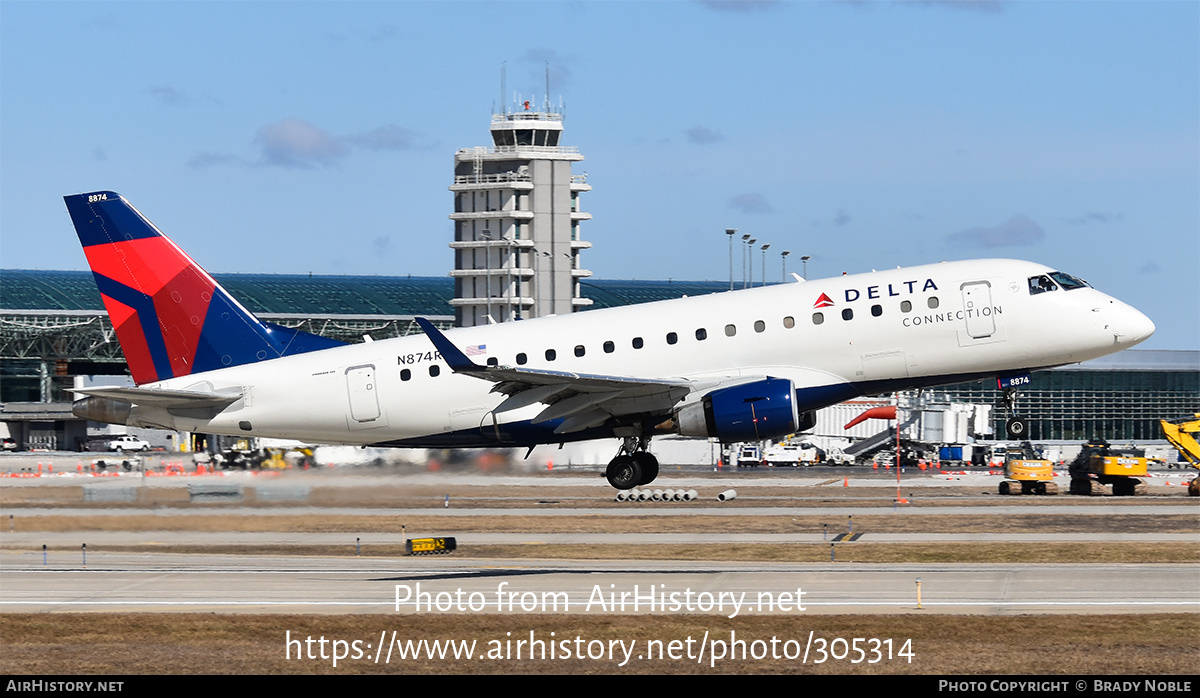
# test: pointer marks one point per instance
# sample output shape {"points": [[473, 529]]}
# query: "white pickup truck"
{"points": [[128, 442]]}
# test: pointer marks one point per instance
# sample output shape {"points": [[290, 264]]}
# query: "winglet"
{"points": [[457, 360]]}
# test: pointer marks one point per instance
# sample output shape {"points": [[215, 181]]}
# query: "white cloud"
{"points": [[702, 135], [297, 143], [168, 95], [751, 203], [1096, 217], [1017, 231], [390, 137], [739, 5]]}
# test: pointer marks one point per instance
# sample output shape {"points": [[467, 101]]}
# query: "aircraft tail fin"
{"points": [[172, 319]]}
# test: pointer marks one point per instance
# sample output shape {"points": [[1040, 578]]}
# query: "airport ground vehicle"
{"points": [[794, 454], [1098, 464], [127, 463], [1026, 473], [128, 442], [242, 456], [749, 456], [1181, 433]]}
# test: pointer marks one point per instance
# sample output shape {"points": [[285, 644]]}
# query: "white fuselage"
{"points": [[909, 327]]}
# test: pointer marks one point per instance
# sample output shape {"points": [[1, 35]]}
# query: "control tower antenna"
{"points": [[547, 99], [503, 87]]}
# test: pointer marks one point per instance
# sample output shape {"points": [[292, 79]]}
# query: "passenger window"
{"points": [[579, 350], [434, 370], [933, 302], [759, 325], [609, 347], [637, 342], [701, 334], [818, 318], [672, 338], [847, 314], [521, 359], [730, 330], [789, 322], [405, 374], [493, 361], [876, 310], [906, 306], [1040, 284], [551, 354]]}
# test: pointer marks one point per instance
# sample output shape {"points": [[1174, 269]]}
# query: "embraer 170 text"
{"points": [[744, 365]]}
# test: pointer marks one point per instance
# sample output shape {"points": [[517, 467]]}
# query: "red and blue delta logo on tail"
{"points": [[171, 318]]}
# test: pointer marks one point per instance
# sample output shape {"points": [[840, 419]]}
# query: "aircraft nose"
{"points": [[1134, 327], [1140, 327]]}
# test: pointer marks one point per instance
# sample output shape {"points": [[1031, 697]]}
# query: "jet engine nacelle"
{"points": [[764, 409]]}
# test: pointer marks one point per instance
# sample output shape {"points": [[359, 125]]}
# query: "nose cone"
{"points": [[1132, 327]]}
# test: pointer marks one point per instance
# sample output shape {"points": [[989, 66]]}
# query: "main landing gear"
{"points": [[1016, 427], [634, 465]]}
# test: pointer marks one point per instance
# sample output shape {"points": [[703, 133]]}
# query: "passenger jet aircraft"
{"points": [[744, 365]]}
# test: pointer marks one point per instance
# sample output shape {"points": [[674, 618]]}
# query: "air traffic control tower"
{"points": [[516, 222]]}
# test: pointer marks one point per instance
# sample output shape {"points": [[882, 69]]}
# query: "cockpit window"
{"points": [[1041, 284], [1068, 282]]}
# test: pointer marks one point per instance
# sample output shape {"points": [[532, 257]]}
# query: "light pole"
{"points": [[764, 264], [508, 280], [537, 275], [487, 281], [750, 243], [745, 237], [731, 232], [804, 260], [783, 256]]}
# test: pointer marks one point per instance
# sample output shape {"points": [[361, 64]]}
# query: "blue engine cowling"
{"points": [[764, 409]]}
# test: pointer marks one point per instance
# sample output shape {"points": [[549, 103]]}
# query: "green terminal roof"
{"points": [[300, 294]]}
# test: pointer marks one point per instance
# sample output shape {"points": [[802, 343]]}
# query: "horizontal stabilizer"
{"points": [[164, 399]]}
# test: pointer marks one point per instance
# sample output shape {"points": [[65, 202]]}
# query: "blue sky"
{"points": [[319, 136]]}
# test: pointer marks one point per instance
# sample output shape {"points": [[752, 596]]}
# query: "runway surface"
{"points": [[227, 582], [264, 584]]}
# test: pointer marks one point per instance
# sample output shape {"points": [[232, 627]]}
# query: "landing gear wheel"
{"points": [[623, 472], [649, 465], [1017, 428]]}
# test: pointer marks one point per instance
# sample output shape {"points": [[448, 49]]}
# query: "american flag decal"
{"points": [[475, 350]]}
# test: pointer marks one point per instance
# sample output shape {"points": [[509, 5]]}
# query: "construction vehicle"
{"points": [[242, 454], [1098, 464], [1181, 434], [1026, 473]]}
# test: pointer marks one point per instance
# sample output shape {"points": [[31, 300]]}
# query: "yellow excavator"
{"points": [[1099, 464], [1026, 473], [1182, 435]]}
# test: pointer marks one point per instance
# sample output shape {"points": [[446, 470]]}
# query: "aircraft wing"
{"points": [[165, 399], [581, 400]]}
